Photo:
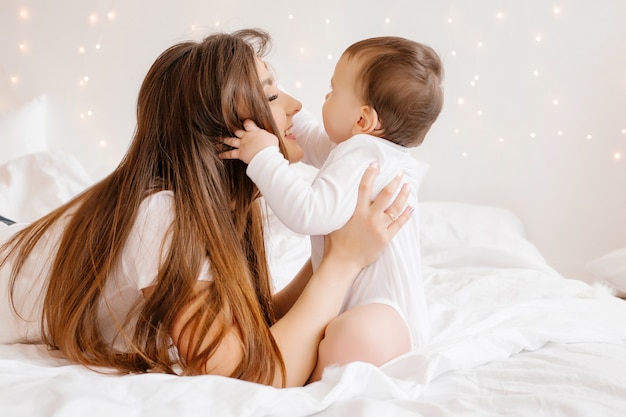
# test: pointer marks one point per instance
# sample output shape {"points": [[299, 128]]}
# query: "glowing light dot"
{"points": [[98, 46], [86, 78], [479, 113], [298, 84], [217, 23], [461, 101], [480, 44], [557, 10], [589, 137], [501, 140], [617, 156], [330, 56], [327, 21], [536, 73], [457, 130], [291, 17], [82, 115], [560, 133], [387, 20], [22, 46], [473, 83], [500, 15], [81, 49], [111, 16], [24, 14], [93, 18], [449, 20], [538, 38], [476, 77], [464, 154], [555, 102], [104, 144], [623, 131], [89, 113], [14, 80], [453, 53], [533, 135], [301, 50]]}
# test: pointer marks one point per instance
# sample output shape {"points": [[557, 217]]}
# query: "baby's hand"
{"points": [[248, 142]]}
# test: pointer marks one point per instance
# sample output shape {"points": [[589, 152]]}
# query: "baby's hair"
{"points": [[401, 79]]}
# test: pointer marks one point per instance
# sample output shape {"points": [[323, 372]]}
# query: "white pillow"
{"points": [[454, 234], [23, 130], [611, 268], [35, 184]]}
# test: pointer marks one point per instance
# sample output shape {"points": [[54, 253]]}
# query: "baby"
{"points": [[386, 94]]}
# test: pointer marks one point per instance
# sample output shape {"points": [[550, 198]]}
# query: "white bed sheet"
{"points": [[510, 337]]}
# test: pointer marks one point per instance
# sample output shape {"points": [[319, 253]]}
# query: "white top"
{"points": [[136, 269], [319, 207]]}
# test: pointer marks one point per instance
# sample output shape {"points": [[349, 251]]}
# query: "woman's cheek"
{"points": [[294, 151], [279, 120]]}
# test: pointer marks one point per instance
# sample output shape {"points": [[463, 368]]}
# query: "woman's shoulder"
{"points": [[158, 206], [158, 200], [154, 217]]}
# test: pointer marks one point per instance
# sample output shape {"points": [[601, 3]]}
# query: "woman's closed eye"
{"points": [[272, 97]]}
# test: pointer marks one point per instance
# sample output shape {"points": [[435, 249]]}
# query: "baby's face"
{"points": [[342, 108]]}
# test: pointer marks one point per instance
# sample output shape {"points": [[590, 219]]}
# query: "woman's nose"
{"points": [[293, 106]]}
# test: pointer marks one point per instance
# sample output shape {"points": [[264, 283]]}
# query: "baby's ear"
{"points": [[368, 121]]}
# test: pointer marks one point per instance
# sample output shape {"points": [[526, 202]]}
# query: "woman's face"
{"points": [[283, 108]]}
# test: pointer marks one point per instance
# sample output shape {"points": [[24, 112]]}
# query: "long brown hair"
{"points": [[190, 98], [401, 79]]}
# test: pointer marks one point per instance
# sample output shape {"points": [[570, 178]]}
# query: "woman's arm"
{"points": [[285, 298], [299, 331]]}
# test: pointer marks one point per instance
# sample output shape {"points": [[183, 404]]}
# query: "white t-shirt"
{"points": [[136, 269], [324, 205]]}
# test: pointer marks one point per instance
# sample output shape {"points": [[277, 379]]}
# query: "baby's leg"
{"points": [[374, 333]]}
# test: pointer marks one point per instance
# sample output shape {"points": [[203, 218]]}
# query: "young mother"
{"points": [[161, 266]]}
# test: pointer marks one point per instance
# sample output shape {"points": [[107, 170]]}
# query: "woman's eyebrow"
{"points": [[269, 81]]}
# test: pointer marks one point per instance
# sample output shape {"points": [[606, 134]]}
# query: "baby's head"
{"points": [[395, 84]]}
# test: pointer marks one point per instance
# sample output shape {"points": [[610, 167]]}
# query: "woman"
{"points": [[161, 266]]}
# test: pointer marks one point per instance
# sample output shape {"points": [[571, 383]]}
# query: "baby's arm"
{"points": [[312, 138], [315, 208]]}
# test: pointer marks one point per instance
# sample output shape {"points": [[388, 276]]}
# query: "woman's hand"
{"points": [[248, 142], [372, 226]]}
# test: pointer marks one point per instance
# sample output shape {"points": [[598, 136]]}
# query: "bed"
{"points": [[511, 336]]}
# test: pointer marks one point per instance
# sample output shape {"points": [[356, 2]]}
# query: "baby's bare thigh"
{"points": [[374, 333]]}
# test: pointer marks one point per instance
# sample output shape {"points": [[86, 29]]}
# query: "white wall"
{"points": [[535, 113]]}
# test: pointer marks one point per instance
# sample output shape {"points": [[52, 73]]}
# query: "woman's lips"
{"points": [[289, 133]]}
